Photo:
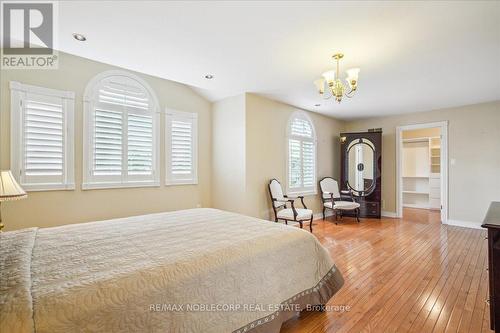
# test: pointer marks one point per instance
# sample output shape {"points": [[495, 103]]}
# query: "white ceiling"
{"points": [[414, 56]]}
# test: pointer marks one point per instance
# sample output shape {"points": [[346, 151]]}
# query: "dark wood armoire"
{"points": [[361, 169]]}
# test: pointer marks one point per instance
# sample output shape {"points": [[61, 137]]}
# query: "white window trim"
{"points": [[306, 191], [16, 145], [193, 115], [88, 107]]}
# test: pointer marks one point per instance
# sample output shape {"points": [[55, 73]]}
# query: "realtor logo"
{"points": [[28, 31]]}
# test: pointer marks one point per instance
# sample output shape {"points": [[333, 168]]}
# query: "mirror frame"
{"points": [[352, 144]]}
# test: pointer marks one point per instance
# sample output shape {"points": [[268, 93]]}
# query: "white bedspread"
{"points": [[133, 274]]}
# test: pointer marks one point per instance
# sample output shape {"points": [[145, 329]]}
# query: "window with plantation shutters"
{"points": [[301, 161], [42, 137], [181, 142], [121, 132]]}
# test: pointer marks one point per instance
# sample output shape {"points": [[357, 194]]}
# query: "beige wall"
{"points": [[266, 151], [61, 207], [228, 154], [474, 146]]}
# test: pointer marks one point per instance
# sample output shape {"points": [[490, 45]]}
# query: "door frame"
{"points": [[443, 125]]}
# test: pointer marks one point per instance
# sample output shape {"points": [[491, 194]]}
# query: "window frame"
{"points": [[124, 180], [193, 116], [17, 160], [306, 191]]}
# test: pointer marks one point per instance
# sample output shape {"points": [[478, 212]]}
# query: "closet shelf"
{"points": [[416, 192], [424, 177]]}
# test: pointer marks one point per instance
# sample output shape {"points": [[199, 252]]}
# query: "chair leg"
{"points": [[357, 214], [301, 225], [311, 224], [336, 216], [323, 212]]}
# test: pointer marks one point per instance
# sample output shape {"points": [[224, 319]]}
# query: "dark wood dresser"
{"points": [[492, 223]]}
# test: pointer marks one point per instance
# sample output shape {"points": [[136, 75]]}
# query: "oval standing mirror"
{"points": [[361, 166]]}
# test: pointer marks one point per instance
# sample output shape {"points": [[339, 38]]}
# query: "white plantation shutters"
{"points": [[181, 142], [301, 155], [42, 140], [140, 144], [121, 133], [108, 143]]}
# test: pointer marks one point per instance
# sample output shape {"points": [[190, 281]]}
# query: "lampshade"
{"points": [[329, 76], [320, 85], [352, 74], [9, 188]]}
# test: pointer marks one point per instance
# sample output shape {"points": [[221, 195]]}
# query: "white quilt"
{"points": [[140, 274]]}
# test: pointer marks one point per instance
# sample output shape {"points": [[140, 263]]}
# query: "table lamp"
{"points": [[9, 190]]}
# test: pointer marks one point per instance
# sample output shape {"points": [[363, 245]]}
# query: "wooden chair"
{"points": [[336, 200], [282, 212]]}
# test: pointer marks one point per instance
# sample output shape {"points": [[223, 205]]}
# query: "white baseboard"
{"points": [[389, 214], [465, 224]]}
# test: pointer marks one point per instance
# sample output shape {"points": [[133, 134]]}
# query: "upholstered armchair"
{"points": [[337, 201], [281, 210]]}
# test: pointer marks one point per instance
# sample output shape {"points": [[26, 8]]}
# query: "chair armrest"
{"points": [[294, 197], [301, 197], [283, 201], [347, 194]]}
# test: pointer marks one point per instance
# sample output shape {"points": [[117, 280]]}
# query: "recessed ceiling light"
{"points": [[209, 76], [317, 105], [79, 37]]}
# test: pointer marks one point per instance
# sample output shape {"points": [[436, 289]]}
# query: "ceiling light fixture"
{"points": [[336, 87], [209, 76], [79, 37]]}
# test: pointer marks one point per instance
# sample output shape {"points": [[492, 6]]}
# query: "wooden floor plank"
{"points": [[409, 309], [403, 275]]}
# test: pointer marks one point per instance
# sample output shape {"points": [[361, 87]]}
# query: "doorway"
{"points": [[422, 168]]}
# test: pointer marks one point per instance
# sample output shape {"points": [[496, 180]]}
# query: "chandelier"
{"points": [[336, 88]]}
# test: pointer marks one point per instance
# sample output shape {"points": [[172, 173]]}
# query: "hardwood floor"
{"points": [[403, 275]]}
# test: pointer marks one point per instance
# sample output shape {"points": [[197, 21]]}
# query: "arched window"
{"points": [[301, 154], [121, 132]]}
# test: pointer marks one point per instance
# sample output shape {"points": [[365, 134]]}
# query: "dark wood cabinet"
{"points": [[492, 223], [361, 170]]}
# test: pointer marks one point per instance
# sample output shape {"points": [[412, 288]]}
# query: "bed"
{"points": [[197, 270]]}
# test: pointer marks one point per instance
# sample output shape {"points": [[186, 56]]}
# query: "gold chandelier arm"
{"points": [[350, 93]]}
